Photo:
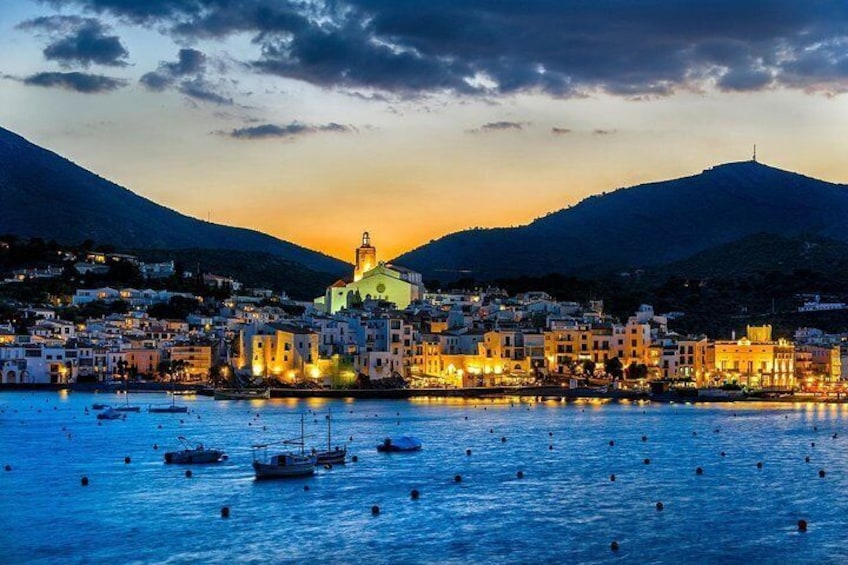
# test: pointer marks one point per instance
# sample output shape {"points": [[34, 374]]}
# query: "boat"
{"points": [[99, 406], [403, 443], [332, 456], [167, 409], [283, 465], [111, 414], [127, 407], [246, 394], [194, 455], [171, 408]]}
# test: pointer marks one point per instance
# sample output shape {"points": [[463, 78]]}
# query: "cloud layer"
{"points": [[75, 81], [78, 41], [292, 130], [559, 47]]}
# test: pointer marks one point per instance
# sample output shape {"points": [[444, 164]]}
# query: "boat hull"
{"points": [[285, 467], [242, 395], [168, 409], [127, 409], [336, 457], [194, 457]]}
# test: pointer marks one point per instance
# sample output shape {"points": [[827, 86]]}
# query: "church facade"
{"points": [[372, 280]]}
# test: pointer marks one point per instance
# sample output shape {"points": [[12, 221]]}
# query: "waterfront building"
{"points": [[284, 351], [756, 361], [197, 360]]}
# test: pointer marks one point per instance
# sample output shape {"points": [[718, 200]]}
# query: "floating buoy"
{"points": [[468, 452], [550, 448], [375, 510], [807, 459], [355, 459], [160, 426], [647, 461], [188, 473], [821, 473], [611, 443], [305, 488], [660, 506], [491, 431], [8, 467], [813, 444], [225, 512], [466, 417], [835, 436], [612, 477], [759, 464], [328, 466], [723, 454], [84, 481], [127, 460], [815, 428], [155, 446], [644, 438], [802, 525], [457, 478], [350, 438], [699, 471], [694, 434], [520, 474], [550, 434], [503, 439], [614, 545], [414, 494]]}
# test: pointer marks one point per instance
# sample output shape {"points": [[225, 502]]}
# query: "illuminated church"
{"points": [[372, 280]]}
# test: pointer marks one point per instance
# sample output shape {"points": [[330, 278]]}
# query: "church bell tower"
{"points": [[366, 257]]}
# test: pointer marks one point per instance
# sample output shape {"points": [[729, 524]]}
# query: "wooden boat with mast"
{"points": [[283, 465], [332, 456]]}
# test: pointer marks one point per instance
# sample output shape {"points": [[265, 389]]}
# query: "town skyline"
{"points": [[233, 119]]}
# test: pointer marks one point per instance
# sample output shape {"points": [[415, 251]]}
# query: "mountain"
{"points": [[646, 225], [45, 195], [762, 253]]}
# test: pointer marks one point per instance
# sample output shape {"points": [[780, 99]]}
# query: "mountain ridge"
{"points": [[49, 196], [645, 225]]}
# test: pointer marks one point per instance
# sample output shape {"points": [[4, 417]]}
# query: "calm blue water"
{"points": [[565, 509]]}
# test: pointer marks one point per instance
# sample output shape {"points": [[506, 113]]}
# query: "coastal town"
{"points": [[382, 329]]}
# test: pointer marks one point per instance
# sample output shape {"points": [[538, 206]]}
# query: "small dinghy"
{"points": [[403, 443], [193, 454]]}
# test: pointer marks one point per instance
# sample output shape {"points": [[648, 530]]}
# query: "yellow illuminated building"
{"points": [[366, 258], [756, 361], [198, 359], [372, 280], [285, 352]]}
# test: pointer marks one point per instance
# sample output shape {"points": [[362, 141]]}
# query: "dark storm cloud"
{"points": [[186, 75], [78, 41], [294, 129], [560, 47], [78, 82], [189, 62]]}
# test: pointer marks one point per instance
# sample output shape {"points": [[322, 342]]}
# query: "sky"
{"points": [[315, 120]]}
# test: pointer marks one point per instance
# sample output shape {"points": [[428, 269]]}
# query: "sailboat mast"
{"points": [[329, 413], [302, 435]]}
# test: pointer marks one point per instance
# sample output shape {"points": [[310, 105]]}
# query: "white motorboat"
{"points": [[110, 414]]}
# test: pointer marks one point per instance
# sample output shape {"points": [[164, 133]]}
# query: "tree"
{"points": [[588, 367], [614, 368]]}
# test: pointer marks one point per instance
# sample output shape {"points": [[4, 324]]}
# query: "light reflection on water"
{"points": [[565, 509]]}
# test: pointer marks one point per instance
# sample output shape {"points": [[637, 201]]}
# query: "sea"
{"points": [[501, 480]]}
